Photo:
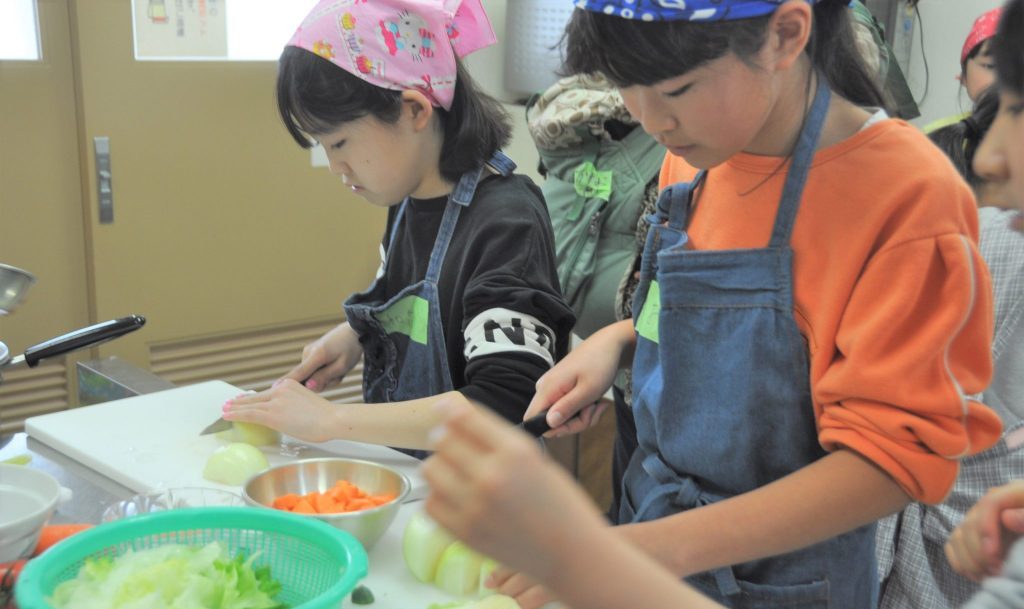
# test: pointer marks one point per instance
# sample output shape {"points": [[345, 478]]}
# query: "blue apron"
{"points": [[404, 354], [725, 406]]}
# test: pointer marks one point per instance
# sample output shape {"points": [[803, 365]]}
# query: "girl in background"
{"points": [[466, 303], [976, 65]]}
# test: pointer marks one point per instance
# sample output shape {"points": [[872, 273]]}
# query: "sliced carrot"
{"points": [[382, 499], [53, 533], [342, 497], [359, 504], [286, 502], [324, 504]]}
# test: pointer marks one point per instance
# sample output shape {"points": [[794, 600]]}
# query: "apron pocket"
{"points": [[813, 595]]}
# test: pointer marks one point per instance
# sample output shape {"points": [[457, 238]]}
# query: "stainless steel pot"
{"points": [[14, 282]]}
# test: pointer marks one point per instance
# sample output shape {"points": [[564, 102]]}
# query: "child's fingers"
{"points": [[961, 560], [514, 584], [499, 576], [592, 414], [549, 388], [568, 405], [534, 598], [1013, 519]]}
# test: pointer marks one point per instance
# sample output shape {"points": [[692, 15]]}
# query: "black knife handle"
{"points": [[85, 337], [537, 425]]}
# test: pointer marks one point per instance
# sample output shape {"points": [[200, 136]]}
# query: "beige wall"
{"points": [[40, 198]]}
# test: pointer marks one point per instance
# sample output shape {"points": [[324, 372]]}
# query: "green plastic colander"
{"points": [[317, 564]]}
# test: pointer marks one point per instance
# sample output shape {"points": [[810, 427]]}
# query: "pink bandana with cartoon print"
{"points": [[397, 44]]}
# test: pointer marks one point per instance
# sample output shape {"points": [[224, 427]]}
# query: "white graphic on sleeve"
{"points": [[504, 331]]}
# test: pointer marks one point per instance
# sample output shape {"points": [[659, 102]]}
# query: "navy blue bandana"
{"points": [[682, 10]]}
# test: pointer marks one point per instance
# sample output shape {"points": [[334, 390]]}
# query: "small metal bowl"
{"points": [[319, 475]]}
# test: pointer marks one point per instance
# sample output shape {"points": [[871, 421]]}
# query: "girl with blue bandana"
{"points": [[813, 315]]}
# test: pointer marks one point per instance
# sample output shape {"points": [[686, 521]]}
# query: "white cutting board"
{"points": [[152, 441]]}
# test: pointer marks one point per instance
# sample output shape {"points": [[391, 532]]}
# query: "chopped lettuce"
{"points": [[170, 577]]}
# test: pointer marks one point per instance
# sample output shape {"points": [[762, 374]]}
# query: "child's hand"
{"points": [[328, 359], [978, 546], [491, 486], [287, 407], [577, 382]]}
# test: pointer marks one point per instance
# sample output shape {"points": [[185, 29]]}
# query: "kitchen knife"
{"points": [[219, 425], [537, 425]]}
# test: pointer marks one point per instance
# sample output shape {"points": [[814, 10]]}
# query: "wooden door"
{"points": [[221, 226], [41, 227]]}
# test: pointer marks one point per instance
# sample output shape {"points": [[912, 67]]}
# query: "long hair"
{"points": [[1008, 48], [632, 52], [315, 97], [961, 139]]}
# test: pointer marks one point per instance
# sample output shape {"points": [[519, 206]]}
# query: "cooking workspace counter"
{"points": [[92, 491]]}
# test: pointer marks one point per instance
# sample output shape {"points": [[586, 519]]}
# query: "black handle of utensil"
{"points": [[85, 337], [536, 425]]}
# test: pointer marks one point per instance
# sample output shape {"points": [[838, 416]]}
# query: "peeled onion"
{"points": [[234, 464], [458, 571], [250, 433], [423, 543]]}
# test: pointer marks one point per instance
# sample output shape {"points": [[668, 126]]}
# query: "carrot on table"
{"points": [[53, 533]]}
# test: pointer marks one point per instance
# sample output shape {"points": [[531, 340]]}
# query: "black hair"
{"points": [[960, 140], [984, 45], [1008, 48], [631, 52], [315, 97]]}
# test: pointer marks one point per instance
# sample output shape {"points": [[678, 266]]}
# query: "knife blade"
{"points": [[219, 425]]}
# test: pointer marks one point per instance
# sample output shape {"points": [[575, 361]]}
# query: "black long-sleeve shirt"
{"points": [[505, 322]]}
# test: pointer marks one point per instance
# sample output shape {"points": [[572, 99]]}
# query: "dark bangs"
{"points": [[1008, 48], [315, 96], [632, 52]]}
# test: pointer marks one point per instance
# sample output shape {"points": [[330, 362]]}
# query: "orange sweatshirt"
{"points": [[890, 293]]}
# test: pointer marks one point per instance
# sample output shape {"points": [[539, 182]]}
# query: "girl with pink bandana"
{"points": [[466, 304]]}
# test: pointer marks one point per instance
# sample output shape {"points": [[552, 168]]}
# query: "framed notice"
{"points": [[180, 29]]}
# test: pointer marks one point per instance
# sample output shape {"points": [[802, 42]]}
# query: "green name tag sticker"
{"points": [[408, 316], [592, 183], [647, 323]]}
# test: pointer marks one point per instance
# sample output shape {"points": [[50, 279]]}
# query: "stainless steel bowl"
{"points": [[14, 282], [319, 475]]}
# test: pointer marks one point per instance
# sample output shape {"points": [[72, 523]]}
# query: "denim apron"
{"points": [[404, 354], [721, 396]]}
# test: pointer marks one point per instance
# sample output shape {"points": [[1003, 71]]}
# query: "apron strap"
{"points": [[684, 492], [394, 229], [674, 202], [501, 163], [800, 165], [461, 197]]}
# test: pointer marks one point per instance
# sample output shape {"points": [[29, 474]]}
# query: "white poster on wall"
{"points": [[180, 29]]}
